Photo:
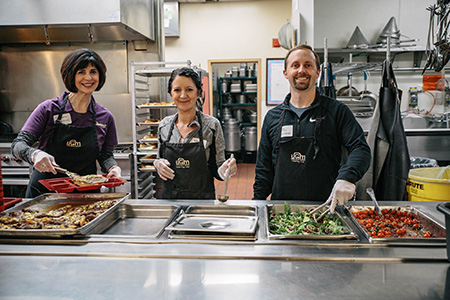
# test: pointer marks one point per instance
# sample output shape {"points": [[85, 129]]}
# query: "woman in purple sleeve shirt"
{"points": [[72, 131]]}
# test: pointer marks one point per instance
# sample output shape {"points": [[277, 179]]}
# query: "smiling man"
{"points": [[300, 155]]}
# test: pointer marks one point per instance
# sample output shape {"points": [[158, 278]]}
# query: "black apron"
{"points": [[74, 148], [192, 180], [302, 171]]}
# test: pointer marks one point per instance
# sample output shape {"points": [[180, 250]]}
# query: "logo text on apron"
{"points": [[73, 144], [181, 163], [297, 157]]}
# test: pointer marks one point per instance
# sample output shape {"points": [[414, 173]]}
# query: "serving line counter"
{"points": [[119, 263]]}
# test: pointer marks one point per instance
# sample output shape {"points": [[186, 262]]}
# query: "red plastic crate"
{"points": [[66, 185]]}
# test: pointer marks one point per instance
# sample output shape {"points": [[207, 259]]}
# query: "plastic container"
{"points": [[429, 184], [445, 209]]}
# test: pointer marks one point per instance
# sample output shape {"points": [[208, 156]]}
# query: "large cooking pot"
{"points": [[232, 135], [250, 138]]}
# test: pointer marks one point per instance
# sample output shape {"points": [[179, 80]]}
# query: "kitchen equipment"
{"points": [[224, 196], [374, 199], [235, 88], [445, 209], [66, 185], [135, 218], [250, 138], [358, 40], [234, 72], [232, 135], [51, 201], [286, 36], [239, 114], [278, 209], [252, 116], [348, 90], [82, 179], [226, 114], [218, 222], [411, 235]]}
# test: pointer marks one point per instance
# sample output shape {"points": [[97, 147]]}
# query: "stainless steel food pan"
{"points": [[279, 209], [436, 229], [46, 202]]}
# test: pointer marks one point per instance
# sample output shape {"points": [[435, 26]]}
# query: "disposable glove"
{"points": [[44, 162], [231, 163], [342, 192], [162, 167], [114, 171]]}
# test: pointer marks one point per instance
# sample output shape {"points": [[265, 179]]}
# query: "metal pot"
{"points": [[250, 138], [252, 117], [232, 135]]}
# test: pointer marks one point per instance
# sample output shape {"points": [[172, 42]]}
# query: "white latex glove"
{"points": [[341, 193], [162, 167], [229, 163], [44, 162], [114, 171]]}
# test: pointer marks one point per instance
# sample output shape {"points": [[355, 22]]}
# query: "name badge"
{"points": [[65, 118], [195, 140], [287, 131]]}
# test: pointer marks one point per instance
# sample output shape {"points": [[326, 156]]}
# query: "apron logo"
{"points": [[297, 157], [73, 144], [181, 163]]}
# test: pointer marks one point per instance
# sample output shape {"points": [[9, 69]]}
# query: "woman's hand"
{"points": [[229, 163], [114, 171], [162, 167], [44, 162]]}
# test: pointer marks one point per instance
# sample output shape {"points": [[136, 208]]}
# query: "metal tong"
{"points": [[319, 207]]}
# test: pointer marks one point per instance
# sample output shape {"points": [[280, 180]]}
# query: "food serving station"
{"points": [[197, 249]]}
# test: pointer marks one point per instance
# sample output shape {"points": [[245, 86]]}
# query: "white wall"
{"points": [[229, 30], [233, 30]]}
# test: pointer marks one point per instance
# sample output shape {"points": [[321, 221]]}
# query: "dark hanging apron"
{"points": [[193, 179], [302, 171], [74, 148]]}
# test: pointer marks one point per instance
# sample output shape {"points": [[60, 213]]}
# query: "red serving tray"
{"points": [[8, 202], [66, 185]]}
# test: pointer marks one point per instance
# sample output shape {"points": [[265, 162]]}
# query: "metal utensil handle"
{"points": [[61, 170], [372, 195], [227, 176]]}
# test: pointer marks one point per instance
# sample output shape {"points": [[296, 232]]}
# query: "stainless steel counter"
{"points": [[135, 267]]}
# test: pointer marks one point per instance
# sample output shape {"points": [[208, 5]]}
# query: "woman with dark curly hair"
{"points": [[191, 144], [73, 131]]}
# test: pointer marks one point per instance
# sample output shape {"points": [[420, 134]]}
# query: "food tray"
{"points": [[156, 106], [437, 230], [147, 169], [66, 185], [152, 140], [216, 222], [280, 209], [135, 219], [47, 202], [148, 124], [8, 202]]}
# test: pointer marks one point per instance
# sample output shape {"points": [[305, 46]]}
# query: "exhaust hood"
{"points": [[47, 21]]}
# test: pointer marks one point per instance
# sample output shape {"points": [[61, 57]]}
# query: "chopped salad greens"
{"points": [[303, 223]]}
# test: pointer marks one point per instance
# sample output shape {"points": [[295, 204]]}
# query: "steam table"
{"points": [[101, 267]]}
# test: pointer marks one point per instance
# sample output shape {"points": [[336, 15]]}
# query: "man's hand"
{"points": [[341, 193]]}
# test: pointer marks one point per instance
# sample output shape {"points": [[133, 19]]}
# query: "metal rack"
{"points": [[150, 104]]}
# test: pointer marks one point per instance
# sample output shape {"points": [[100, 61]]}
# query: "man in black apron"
{"points": [[74, 148], [300, 153], [193, 178]]}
